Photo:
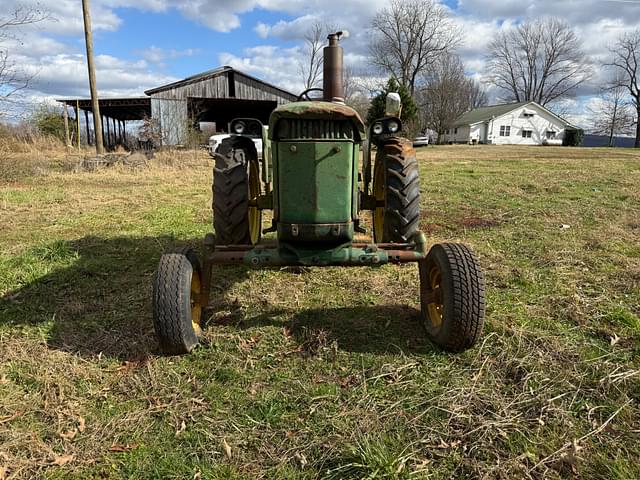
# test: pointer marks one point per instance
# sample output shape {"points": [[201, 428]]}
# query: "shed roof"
{"points": [[215, 73], [136, 108]]}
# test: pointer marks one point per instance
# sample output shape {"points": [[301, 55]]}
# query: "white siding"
{"points": [[457, 134], [478, 133], [539, 124]]}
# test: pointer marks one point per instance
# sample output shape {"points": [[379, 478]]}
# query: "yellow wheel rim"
{"points": [[436, 308], [196, 307], [378, 193], [255, 215]]}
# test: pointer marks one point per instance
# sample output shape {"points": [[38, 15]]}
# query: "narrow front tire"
{"points": [[452, 296], [177, 312]]}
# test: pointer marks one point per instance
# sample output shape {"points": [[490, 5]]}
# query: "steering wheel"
{"points": [[305, 95]]}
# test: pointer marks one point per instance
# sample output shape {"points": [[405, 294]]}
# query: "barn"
{"points": [[522, 123], [217, 96]]}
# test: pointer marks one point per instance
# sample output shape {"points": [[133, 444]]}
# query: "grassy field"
{"points": [[323, 374]]}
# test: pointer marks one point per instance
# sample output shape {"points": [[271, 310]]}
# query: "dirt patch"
{"points": [[476, 222]]}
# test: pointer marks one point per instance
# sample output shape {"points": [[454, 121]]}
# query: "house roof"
{"points": [[484, 114], [211, 74]]}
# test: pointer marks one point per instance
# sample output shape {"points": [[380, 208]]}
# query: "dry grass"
{"points": [[325, 373]]}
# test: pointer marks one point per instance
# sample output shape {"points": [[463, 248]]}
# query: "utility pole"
{"points": [[95, 106]]}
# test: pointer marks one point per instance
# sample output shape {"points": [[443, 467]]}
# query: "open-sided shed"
{"points": [[214, 96]]}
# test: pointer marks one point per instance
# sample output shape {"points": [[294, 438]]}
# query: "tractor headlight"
{"points": [[377, 128], [239, 127], [393, 126]]}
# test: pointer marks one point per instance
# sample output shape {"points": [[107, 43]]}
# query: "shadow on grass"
{"points": [[97, 297], [97, 300], [359, 329]]}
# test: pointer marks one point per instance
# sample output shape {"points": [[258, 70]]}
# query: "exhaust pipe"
{"points": [[332, 81]]}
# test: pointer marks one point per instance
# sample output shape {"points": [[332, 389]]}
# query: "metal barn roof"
{"points": [[217, 72]]}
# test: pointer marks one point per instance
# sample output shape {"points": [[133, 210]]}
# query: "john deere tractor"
{"points": [[317, 176]]}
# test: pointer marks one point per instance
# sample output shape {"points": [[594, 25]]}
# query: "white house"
{"points": [[523, 123]]}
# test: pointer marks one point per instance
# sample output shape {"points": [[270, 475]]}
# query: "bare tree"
{"points": [[539, 61], [626, 60], [13, 78], [612, 114], [310, 66], [409, 36], [447, 93]]}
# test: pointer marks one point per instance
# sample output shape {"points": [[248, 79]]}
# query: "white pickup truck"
{"points": [[216, 140]]}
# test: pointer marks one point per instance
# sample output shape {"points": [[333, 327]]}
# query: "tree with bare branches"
{"points": [[409, 36], [14, 79], [446, 93], [310, 66], [539, 61], [611, 115], [626, 61]]}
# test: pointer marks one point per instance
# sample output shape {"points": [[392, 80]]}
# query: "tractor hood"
{"points": [[316, 110]]}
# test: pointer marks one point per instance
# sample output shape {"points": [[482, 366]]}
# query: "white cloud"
{"points": [[65, 75], [158, 55]]}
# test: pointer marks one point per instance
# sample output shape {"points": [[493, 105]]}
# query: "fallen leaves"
{"points": [[69, 435], [227, 448], [119, 448], [60, 460]]}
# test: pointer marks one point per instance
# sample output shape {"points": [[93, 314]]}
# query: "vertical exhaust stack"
{"points": [[332, 81]]}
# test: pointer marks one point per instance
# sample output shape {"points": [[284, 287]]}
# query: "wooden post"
{"points": [[108, 142], [115, 133], [95, 104], [65, 115], [86, 122], [78, 123]]}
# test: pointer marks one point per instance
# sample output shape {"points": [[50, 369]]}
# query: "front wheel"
{"points": [[452, 296], [177, 312]]}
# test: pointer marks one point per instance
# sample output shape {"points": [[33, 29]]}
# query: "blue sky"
{"points": [[142, 44]]}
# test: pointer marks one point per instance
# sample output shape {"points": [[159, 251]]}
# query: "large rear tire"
{"points": [[396, 188], [236, 187], [452, 296], [177, 313]]}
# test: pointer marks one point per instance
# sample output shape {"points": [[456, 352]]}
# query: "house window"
{"points": [[551, 134], [505, 130], [528, 114], [526, 133], [455, 131]]}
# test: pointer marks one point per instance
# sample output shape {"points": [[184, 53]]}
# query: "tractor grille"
{"points": [[317, 129]]}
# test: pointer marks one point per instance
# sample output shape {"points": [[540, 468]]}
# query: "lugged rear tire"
{"points": [[452, 296], [177, 315], [235, 181], [396, 185]]}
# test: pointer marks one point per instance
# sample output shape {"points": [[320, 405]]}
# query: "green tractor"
{"points": [[311, 176]]}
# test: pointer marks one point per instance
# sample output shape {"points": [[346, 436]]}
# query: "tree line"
{"points": [[415, 44]]}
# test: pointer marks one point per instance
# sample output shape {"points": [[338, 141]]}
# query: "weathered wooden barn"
{"points": [[218, 96]]}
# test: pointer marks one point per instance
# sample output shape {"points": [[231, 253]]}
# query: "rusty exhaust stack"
{"points": [[332, 82]]}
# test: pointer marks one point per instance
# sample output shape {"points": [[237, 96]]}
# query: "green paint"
{"points": [[315, 181]]}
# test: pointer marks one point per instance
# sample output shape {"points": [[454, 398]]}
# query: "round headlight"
{"points": [[377, 128], [239, 128], [393, 126]]}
